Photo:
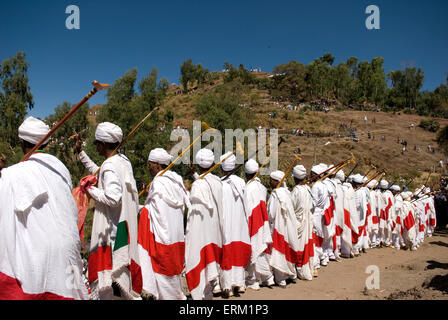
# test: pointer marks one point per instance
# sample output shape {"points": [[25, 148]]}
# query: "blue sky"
{"points": [[116, 36]]}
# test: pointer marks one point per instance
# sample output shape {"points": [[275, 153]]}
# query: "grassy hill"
{"points": [[328, 141]]}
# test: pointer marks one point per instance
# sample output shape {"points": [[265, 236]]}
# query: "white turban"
{"points": [[159, 155], [350, 178], [372, 183], [277, 175], [383, 184], [406, 195], [299, 172], [395, 188], [108, 132], [357, 178], [319, 168], [428, 190], [340, 175], [251, 166], [33, 130], [229, 163], [205, 158]]}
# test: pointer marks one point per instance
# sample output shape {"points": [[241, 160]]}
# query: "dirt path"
{"points": [[421, 274]]}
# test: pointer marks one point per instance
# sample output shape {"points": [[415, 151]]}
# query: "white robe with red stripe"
{"points": [[397, 227], [361, 207], [285, 244], [419, 209], [236, 250], [329, 221], [350, 231], [259, 232], [203, 237], [321, 218], [338, 212], [386, 207], [372, 224], [161, 242], [113, 246], [303, 203], [409, 225], [39, 240]]}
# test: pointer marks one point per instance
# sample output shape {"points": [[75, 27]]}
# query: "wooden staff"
{"points": [[336, 169], [371, 178], [180, 156], [237, 149], [421, 188], [382, 174], [262, 166], [287, 172], [318, 175], [351, 171], [127, 137], [97, 87]]}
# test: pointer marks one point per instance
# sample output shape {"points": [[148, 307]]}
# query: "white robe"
{"points": [[113, 246], [236, 249], [361, 208], [258, 269], [303, 203], [321, 207], [409, 224], [203, 237], [372, 224], [39, 240], [351, 221], [386, 207], [161, 240], [285, 243], [338, 211]]}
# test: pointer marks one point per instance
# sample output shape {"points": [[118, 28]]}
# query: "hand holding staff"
{"points": [[96, 87]]}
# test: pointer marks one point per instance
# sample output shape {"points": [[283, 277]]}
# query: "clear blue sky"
{"points": [[116, 36]]}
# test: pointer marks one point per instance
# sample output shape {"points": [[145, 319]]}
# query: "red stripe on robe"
{"points": [[100, 260], [235, 254], [11, 289], [165, 259], [257, 219], [209, 253]]}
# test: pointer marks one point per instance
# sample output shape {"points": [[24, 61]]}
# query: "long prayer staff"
{"points": [[351, 171], [421, 188], [336, 169], [371, 178], [381, 174], [237, 149], [297, 158], [250, 157], [206, 127], [428, 195], [311, 179], [127, 137], [96, 87]]}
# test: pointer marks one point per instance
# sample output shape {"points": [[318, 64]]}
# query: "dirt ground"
{"points": [[404, 275]]}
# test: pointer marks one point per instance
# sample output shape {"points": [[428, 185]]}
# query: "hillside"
{"points": [[329, 139]]}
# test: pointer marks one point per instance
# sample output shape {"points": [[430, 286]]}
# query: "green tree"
{"points": [[15, 97], [442, 139], [187, 71]]}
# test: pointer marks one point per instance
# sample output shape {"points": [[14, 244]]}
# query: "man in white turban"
{"points": [[236, 247], [330, 245], [372, 224], [303, 203], [409, 223], [386, 207], [397, 227], [114, 269], [259, 270], [161, 242], [285, 244], [338, 210], [350, 231], [321, 216], [203, 237], [39, 241], [361, 208]]}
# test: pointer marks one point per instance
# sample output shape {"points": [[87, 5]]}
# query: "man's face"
{"points": [[100, 147], [273, 183], [153, 168]]}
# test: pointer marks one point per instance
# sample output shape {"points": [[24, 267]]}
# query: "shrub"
{"points": [[430, 125]]}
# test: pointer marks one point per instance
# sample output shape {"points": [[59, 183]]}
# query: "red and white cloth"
{"points": [[113, 246], [303, 203], [285, 244], [161, 242], [259, 232], [236, 250], [203, 237]]}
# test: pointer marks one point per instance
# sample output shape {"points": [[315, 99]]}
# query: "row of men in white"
{"points": [[231, 228]]}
